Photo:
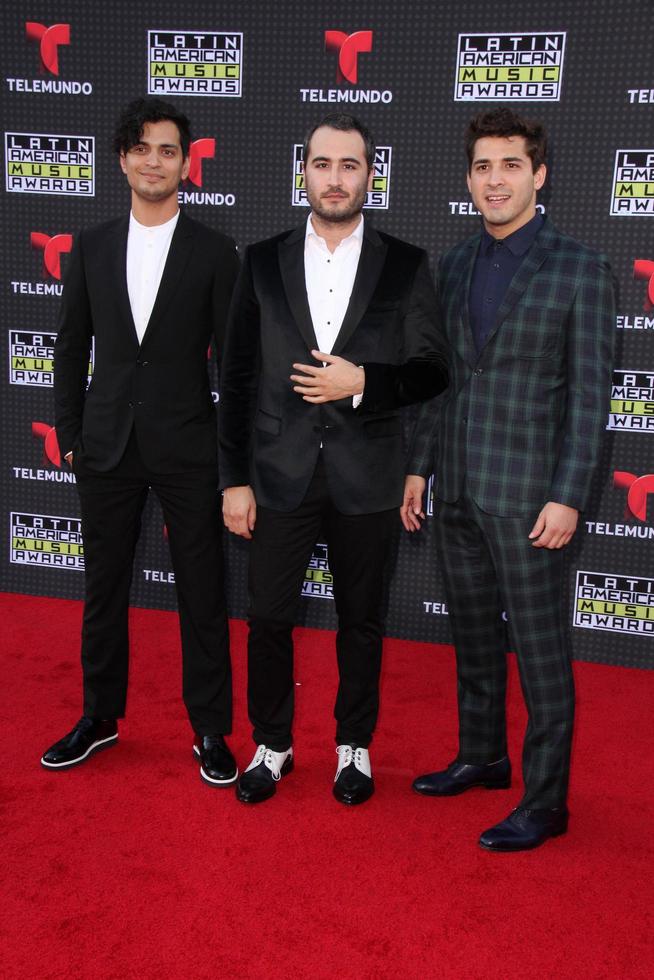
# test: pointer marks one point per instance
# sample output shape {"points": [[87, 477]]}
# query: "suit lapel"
{"points": [[291, 264], [463, 339], [531, 263], [176, 260], [117, 265], [371, 262]]}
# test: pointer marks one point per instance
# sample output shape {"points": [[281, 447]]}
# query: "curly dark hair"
{"points": [[129, 128], [505, 122], [346, 124]]}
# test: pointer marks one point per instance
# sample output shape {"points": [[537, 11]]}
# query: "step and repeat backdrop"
{"points": [[252, 77]]}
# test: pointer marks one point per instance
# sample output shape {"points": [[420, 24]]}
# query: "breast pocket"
{"points": [[532, 333]]}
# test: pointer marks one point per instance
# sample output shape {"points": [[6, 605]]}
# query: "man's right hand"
{"points": [[239, 510], [411, 512]]}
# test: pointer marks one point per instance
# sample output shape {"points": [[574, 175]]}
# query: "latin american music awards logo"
{"points": [[318, 579], [632, 401], [44, 163], [511, 67], [632, 192], [379, 195], [614, 603], [195, 63], [46, 540]]}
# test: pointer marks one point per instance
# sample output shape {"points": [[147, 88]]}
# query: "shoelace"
{"points": [[347, 755], [266, 756]]}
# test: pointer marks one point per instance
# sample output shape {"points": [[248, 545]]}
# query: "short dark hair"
{"points": [[505, 122], [129, 128], [346, 124]]}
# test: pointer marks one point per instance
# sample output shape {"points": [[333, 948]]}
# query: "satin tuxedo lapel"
{"points": [[291, 265], [116, 243], [176, 261], [371, 263]]}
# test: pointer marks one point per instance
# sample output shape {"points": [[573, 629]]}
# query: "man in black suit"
{"points": [[332, 328], [152, 291]]}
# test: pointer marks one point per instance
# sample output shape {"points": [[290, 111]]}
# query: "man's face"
{"points": [[155, 165], [502, 183], [336, 174]]}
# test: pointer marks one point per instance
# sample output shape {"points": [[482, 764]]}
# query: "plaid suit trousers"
{"points": [[490, 566]]}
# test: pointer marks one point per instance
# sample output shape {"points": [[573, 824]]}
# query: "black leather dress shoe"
{"points": [[87, 737], [525, 829], [458, 777], [353, 782], [217, 764], [259, 781]]}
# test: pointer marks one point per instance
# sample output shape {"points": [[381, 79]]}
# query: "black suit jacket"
{"points": [[269, 437], [160, 388]]}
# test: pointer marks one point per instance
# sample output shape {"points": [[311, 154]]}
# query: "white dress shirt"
{"points": [[329, 278], [147, 251]]}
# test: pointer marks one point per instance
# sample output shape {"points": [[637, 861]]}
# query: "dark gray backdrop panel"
{"points": [[602, 108]]}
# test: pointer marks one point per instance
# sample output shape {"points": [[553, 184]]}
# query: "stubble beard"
{"points": [[337, 217]]}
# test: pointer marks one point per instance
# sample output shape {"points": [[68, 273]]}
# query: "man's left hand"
{"points": [[336, 379], [554, 526]]}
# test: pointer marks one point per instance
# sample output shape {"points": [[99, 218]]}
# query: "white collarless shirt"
{"points": [[147, 251], [329, 278]]}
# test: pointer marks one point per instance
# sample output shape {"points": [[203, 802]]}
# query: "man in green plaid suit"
{"points": [[529, 318]]}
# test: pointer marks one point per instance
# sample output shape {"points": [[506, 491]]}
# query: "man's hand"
{"points": [[239, 510], [411, 512], [554, 526], [338, 379]]}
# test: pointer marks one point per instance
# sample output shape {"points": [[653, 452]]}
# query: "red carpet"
{"points": [[130, 867]]}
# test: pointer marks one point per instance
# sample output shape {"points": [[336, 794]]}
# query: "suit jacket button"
{"points": [[479, 371]]}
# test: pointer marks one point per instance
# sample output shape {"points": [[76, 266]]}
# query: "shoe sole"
{"points": [[463, 789], [217, 783], [286, 768], [104, 743], [527, 847]]}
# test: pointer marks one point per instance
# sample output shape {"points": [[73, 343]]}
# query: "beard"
{"points": [[339, 211]]}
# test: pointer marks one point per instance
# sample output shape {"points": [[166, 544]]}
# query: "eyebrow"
{"points": [[504, 160], [161, 146], [321, 159]]}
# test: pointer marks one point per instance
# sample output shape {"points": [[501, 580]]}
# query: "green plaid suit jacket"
{"points": [[522, 421]]}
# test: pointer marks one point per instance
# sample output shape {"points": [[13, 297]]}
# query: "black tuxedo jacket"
{"points": [[269, 437], [160, 387]]}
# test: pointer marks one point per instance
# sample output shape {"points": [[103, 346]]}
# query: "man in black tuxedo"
{"points": [[332, 328], [151, 290]]}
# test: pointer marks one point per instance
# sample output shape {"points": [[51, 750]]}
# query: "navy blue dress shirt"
{"points": [[495, 266]]}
